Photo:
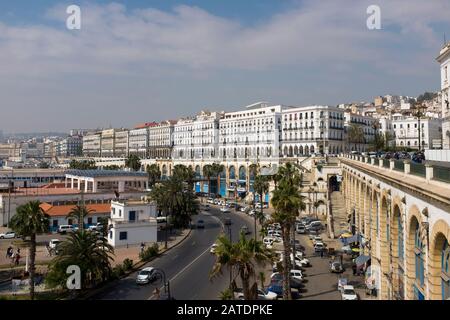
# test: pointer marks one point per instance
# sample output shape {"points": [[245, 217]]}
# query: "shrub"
{"points": [[127, 264], [118, 271], [149, 253]]}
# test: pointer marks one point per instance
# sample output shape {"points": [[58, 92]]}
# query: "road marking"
{"points": [[192, 262]]}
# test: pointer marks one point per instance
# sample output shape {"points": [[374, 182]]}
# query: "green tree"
{"points": [[92, 254], [79, 212], [207, 173], [154, 174], [242, 257], [287, 201], [29, 221], [133, 162], [355, 134], [82, 165]]}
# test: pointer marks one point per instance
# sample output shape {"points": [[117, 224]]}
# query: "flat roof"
{"points": [[105, 173], [64, 210]]}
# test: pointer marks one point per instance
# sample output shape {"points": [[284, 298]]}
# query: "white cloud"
{"points": [[328, 38]]}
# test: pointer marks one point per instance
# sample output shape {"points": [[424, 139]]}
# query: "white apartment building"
{"points": [[367, 125], [406, 131], [444, 60], [138, 142], [183, 141], [132, 222], [160, 140], [312, 129], [205, 135], [121, 143], [92, 144], [251, 135]]}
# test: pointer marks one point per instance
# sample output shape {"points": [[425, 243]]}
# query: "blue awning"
{"points": [[362, 259]]}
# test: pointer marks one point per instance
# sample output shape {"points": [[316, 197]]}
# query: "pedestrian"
{"points": [[9, 252], [321, 253], [17, 259], [354, 269]]}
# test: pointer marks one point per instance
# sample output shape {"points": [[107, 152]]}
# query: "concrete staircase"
{"points": [[338, 212]]}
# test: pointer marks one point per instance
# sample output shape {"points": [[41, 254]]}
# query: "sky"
{"points": [[140, 61]]}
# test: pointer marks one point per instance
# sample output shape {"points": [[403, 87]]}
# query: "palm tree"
{"points": [[133, 162], [287, 201], [79, 212], [207, 173], [92, 254], [154, 174], [242, 256], [29, 221], [261, 187]]}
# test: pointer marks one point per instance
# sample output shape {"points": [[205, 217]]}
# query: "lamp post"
{"points": [[161, 273]]}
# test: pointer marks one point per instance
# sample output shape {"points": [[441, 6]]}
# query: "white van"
{"points": [[64, 228]]}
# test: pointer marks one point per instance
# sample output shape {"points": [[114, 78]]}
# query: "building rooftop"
{"points": [[64, 210], [104, 173]]}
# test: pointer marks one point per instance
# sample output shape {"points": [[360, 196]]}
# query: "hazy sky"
{"points": [[139, 61]]}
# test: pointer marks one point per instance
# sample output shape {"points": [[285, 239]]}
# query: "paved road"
{"points": [[187, 266]]}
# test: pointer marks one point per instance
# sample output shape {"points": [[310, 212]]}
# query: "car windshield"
{"points": [[349, 292], [145, 273]]}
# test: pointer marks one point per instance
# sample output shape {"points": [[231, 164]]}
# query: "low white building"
{"points": [[132, 222]]}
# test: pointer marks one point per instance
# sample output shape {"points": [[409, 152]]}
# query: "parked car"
{"points": [[314, 225], [319, 246], [213, 248], [95, 227], [348, 293], [276, 288], [8, 235], [64, 228], [200, 224], [336, 267], [146, 276], [224, 210], [317, 239], [206, 207], [258, 206], [210, 200], [296, 274], [300, 229], [53, 243], [266, 295]]}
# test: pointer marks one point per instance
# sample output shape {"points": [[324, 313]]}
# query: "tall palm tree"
{"points": [[154, 174], [79, 212], [133, 162], [93, 255], [207, 173], [287, 201], [243, 257], [261, 187], [29, 221]]}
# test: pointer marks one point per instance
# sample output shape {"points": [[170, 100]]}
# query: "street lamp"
{"points": [[159, 273]]}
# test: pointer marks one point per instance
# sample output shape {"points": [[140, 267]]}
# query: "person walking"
{"points": [[17, 258], [9, 252]]}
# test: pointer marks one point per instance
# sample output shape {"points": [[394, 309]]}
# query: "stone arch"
{"points": [[307, 150], [300, 150], [398, 250], [311, 149], [232, 172], [384, 242], [198, 171], [439, 261], [242, 173], [296, 151], [414, 223], [164, 171]]}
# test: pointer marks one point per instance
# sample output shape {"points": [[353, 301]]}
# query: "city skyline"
{"points": [[298, 53]]}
